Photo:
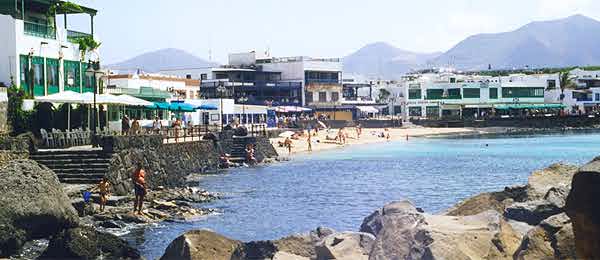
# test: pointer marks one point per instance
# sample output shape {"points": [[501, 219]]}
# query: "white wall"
{"points": [[8, 51]]}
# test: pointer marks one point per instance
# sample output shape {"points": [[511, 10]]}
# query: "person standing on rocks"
{"points": [[125, 125], [139, 185], [104, 189]]}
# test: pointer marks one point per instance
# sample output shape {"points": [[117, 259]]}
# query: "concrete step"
{"points": [[77, 165], [73, 161], [81, 171], [69, 156]]}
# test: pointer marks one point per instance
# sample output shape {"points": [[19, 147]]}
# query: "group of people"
{"points": [[129, 127]]}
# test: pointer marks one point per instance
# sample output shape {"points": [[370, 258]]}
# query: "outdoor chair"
{"points": [[59, 137], [48, 139]]}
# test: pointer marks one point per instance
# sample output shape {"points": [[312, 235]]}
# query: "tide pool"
{"points": [[339, 188]]}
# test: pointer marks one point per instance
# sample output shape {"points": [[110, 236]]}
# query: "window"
{"points": [[24, 72], [434, 93], [414, 111], [322, 96], [493, 93], [414, 94], [203, 76], [52, 75], [397, 110], [309, 97], [522, 92], [335, 96], [597, 95], [551, 84], [432, 111], [471, 92]]}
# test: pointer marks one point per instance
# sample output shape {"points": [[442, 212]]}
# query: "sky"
{"points": [[317, 28]]}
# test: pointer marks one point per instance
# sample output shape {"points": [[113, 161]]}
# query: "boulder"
{"points": [[552, 238], [410, 234], [281, 255], [201, 244], [535, 245], [303, 244], [345, 245], [583, 207], [32, 206], [556, 176], [497, 201], [373, 223], [255, 250], [87, 243], [532, 212]]}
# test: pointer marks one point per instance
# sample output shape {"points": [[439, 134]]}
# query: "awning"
{"points": [[65, 97], [291, 109], [529, 106], [207, 107], [479, 106], [175, 106], [133, 101], [367, 109], [451, 107]]}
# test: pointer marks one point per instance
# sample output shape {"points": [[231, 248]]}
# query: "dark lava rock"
{"points": [[87, 243], [32, 205]]}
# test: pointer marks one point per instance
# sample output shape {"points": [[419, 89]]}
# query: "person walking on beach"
{"points": [[139, 185], [250, 158], [103, 189], [288, 144], [156, 125], [309, 140]]}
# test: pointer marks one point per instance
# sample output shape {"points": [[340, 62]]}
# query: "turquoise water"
{"points": [[339, 188]]}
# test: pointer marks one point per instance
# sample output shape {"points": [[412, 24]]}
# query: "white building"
{"points": [[152, 86], [39, 52]]}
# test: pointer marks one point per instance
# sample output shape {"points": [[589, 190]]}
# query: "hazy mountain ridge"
{"points": [[555, 43], [163, 59]]}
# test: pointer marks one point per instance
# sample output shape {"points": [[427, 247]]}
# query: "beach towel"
{"points": [[87, 196]]}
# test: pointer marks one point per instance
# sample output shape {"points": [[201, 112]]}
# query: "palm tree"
{"points": [[566, 82]]}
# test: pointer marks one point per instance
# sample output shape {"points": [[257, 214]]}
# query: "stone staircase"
{"points": [[75, 167], [238, 150]]}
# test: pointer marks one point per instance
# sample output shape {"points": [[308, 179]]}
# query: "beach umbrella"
{"points": [[133, 101], [286, 134], [322, 124], [65, 97], [207, 107]]}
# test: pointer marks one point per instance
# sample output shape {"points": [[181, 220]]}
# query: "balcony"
{"points": [[74, 36], [322, 81], [40, 30]]}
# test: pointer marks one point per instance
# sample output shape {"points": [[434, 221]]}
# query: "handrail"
{"points": [[39, 30]]}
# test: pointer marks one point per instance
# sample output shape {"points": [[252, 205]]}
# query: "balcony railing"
{"points": [[40, 30], [323, 81], [73, 36], [256, 84]]}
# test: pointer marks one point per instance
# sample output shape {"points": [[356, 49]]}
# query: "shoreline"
{"points": [[300, 147]]}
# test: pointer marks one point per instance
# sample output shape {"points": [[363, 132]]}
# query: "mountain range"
{"points": [[164, 59], [557, 43], [569, 41]]}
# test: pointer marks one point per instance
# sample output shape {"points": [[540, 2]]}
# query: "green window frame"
{"points": [[471, 92], [432, 111], [24, 76], [516, 92], [37, 64], [415, 111], [88, 82], [493, 93], [72, 76], [434, 93], [52, 69], [414, 94], [454, 93]]}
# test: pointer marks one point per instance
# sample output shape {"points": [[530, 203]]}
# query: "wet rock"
{"points": [[583, 207], [345, 245], [87, 243], [532, 212], [32, 205], [552, 238], [110, 224], [201, 244]]}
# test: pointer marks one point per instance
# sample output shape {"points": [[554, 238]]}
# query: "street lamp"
{"points": [[222, 90], [243, 100], [94, 71]]}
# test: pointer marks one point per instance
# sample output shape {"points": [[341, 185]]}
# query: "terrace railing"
{"points": [[73, 36], [39, 30]]}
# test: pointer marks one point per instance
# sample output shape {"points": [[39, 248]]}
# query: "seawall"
{"points": [[169, 164], [532, 122]]}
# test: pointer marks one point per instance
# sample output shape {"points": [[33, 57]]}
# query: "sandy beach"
{"points": [[368, 136]]}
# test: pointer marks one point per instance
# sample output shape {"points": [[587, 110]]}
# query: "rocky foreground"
{"points": [[555, 216], [40, 219]]}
